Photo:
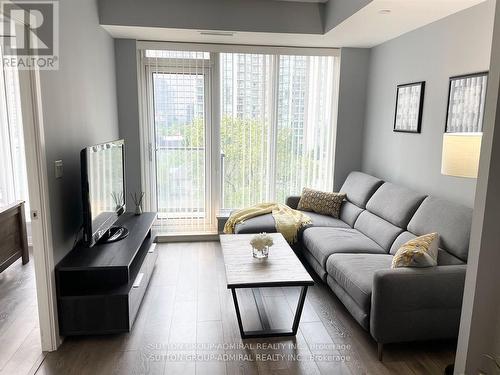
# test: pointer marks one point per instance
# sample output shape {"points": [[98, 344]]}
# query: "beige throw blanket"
{"points": [[288, 221]]}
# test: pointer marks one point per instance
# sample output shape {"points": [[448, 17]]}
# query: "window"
{"points": [[279, 136], [264, 131], [245, 128], [13, 179], [304, 128]]}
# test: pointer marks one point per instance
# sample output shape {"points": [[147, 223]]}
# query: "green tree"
{"points": [[245, 144]]}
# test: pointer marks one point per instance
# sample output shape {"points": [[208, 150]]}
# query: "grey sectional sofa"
{"points": [[353, 256]]}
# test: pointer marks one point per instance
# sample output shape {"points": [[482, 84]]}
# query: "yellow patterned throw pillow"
{"points": [[419, 252], [321, 202]]}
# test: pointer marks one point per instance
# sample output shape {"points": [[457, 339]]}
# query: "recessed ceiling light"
{"points": [[384, 11]]}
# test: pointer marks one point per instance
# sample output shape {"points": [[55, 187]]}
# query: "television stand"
{"points": [[100, 289], [114, 234]]}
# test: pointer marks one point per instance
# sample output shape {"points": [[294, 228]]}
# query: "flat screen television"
{"points": [[103, 192]]}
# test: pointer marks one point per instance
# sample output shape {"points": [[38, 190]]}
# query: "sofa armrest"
{"points": [[293, 201], [410, 304]]}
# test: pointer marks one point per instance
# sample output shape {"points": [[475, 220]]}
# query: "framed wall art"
{"points": [[409, 107], [466, 98]]}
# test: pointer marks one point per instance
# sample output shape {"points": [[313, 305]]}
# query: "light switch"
{"points": [[58, 164]]}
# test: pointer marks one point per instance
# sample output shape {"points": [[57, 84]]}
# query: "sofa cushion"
{"points": [[319, 220], [360, 315], [318, 268], [394, 203], [321, 202], [265, 223], [444, 257], [354, 273], [378, 229], [258, 224], [452, 222], [349, 212], [401, 240], [418, 252], [322, 242], [447, 259], [359, 187]]}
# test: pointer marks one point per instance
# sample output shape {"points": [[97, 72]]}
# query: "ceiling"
{"points": [[377, 22], [306, 1]]}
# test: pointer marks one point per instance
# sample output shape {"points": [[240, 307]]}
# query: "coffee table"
{"points": [[281, 269]]}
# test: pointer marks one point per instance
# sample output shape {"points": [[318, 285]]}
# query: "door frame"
{"points": [[36, 167], [148, 141], [38, 192]]}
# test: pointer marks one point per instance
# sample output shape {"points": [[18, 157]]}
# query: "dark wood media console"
{"points": [[100, 289]]}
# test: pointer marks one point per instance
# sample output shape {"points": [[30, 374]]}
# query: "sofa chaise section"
{"points": [[350, 276], [429, 305]]}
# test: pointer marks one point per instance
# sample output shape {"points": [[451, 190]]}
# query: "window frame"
{"points": [[168, 66], [213, 164]]}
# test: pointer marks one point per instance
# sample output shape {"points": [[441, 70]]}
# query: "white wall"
{"points": [[458, 44], [128, 110], [79, 109]]}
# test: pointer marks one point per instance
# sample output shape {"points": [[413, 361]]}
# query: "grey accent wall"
{"points": [[79, 109], [354, 66], [337, 11], [232, 15], [128, 109], [458, 44]]}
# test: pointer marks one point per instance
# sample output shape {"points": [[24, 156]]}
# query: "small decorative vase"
{"points": [[138, 210], [260, 254]]}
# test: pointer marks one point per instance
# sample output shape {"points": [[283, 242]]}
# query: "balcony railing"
{"points": [[180, 175]]}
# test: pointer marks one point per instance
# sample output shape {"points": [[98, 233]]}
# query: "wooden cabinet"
{"points": [[13, 237], [100, 289]]}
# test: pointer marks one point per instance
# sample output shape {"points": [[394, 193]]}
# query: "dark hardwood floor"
{"points": [[187, 325], [20, 347]]}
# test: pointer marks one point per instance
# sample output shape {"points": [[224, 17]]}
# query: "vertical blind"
{"points": [[246, 93], [13, 179], [180, 86], [305, 131], [274, 127]]}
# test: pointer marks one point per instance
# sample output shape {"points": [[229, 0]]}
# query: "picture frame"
{"points": [[466, 100], [409, 107]]}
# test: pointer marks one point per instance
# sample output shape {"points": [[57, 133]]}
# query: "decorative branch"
{"points": [[137, 198]]}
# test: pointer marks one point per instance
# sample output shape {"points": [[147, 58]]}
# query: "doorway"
{"points": [[28, 323]]}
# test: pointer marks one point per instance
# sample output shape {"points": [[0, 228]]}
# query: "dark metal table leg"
{"points": [[298, 312], [267, 331], [238, 314]]}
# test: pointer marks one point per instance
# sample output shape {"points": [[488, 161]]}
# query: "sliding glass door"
{"points": [[180, 118], [229, 130]]}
